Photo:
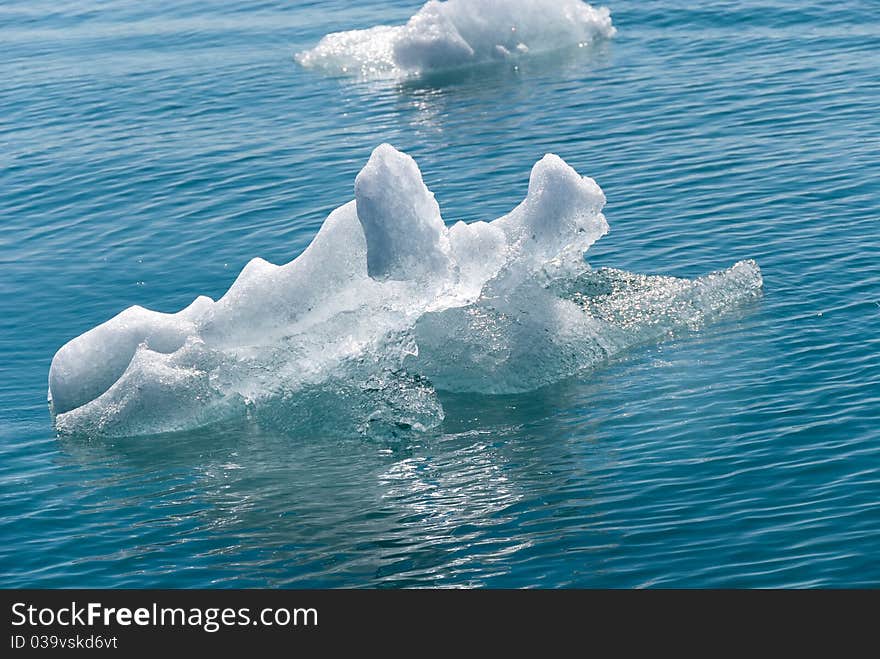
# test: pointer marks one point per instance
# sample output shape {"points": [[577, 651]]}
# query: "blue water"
{"points": [[146, 154]]}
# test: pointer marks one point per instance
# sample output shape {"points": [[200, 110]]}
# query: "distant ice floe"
{"points": [[456, 33], [386, 306]]}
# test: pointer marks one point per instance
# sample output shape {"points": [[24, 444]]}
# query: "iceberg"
{"points": [[387, 306], [456, 33]]}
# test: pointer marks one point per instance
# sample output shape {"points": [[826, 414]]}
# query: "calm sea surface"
{"points": [[147, 154]]}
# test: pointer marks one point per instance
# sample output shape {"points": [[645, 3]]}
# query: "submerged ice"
{"points": [[385, 307], [454, 33]]}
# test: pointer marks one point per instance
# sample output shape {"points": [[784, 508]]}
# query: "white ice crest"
{"points": [[455, 33]]}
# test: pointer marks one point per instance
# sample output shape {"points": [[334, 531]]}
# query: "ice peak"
{"points": [[406, 237]]}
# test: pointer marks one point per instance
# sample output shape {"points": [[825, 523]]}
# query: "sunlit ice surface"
{"points": [[386, 304]]}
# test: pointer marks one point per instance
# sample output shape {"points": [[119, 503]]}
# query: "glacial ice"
{"points": [[455, 33], [384, 308]]}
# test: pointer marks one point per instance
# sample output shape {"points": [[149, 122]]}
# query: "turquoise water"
{"points": [[147, 154]]}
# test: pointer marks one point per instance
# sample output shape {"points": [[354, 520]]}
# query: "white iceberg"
{"points": [[455, 33], [385, 306]]}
